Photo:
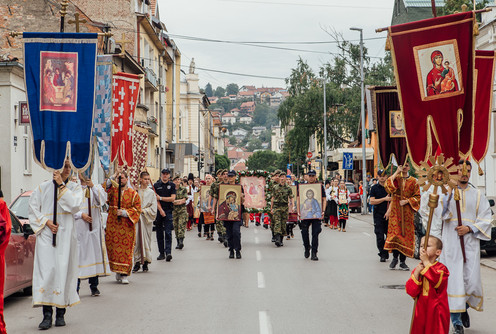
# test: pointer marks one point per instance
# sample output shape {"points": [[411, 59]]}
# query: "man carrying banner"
{"points": [[92, 255], [464, 283], [214, 193], [55, 269], [124, 212], [405, 201], [143, 249]]}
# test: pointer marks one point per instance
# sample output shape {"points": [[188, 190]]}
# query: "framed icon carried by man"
{"points": [[310, 201], [204, 196], [254, 190], [229, 203]]}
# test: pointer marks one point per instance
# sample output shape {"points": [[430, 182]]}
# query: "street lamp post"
{"points": [[364, 160], [325, 132]]}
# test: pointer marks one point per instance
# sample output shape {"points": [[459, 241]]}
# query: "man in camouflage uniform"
{"points": [[179, 213], [281, 193], [273, 183], [214, 193]]}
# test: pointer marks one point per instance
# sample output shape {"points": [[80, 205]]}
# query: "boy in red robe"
{"points": [[428, 284]]}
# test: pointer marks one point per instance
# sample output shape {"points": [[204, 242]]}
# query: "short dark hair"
{"points": [[468, 163], [143, 174]]}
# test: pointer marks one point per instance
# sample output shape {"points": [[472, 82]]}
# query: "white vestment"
{"points": [[91, 244], [464, 282], [148, 214], [55, 269], [437, 221]]}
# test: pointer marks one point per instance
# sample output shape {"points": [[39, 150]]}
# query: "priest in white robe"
{"points": [[93, 262], [464, 283], [145, 225], [55, 269]]}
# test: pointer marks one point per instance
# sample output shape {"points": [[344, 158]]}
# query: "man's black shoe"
{"points": [[220, 239], [161, 257], [181, 243], [238, 254], [383, 259], [277, 240], [136, 267], [145, 266], [458, 329], [225, 243], [231, 254], [168, 258], [393, 264], [307, 253], [178, 243], [95, 292], [314, 256], [199, 234], [257, 224], [59, 317], [47, 318], [465, 320]]}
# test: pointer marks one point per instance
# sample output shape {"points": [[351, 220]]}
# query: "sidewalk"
{"points": [[486, 261]]}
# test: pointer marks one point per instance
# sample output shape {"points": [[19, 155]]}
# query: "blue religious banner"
{"points": [[347, 161], [59, 69]]}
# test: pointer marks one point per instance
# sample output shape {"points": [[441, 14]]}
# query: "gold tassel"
{"points": [[476, 28], [87, 193], [114, 69], [457, 194], [481, 172], [388, 45]]}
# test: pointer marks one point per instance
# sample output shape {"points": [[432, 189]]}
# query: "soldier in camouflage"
{"points": [[274, 181], [214, 193], [281, 193], [180, 213]]}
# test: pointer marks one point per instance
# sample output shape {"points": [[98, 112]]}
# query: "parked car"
{"points": [[488, 246], [20, 207], [19, 258], [356, 202]]}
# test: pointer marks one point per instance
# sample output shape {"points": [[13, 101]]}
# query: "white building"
{"points": [[257, 130], [245, 119], [277, 138], [18, 171], [228, 119], [240, 133]]}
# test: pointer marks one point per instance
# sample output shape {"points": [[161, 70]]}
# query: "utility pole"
{"points": [[325, 131], [364, 158]]}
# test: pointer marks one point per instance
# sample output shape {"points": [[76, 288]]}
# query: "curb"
{"points": [[488, 263]]}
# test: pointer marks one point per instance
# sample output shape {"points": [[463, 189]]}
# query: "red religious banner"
{"points": [[484, 73], [434, 63], [125, 95]]}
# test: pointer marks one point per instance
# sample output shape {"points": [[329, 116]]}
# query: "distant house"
{"points": [[276, 99], [265, 146], [240, 133], [235, 156], [248, 107], [246, 119], [247, 95], [232, 97], [413, 10], [257, 130], [213, 99], [228, 119], [235, 112], [247, 88]]}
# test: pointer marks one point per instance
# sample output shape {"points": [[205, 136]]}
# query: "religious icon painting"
{"points": [[229, 203], [438, 70], [58, 91], [396, 124], [310, 201], [293, 208], [254, 188], [196, 198], [204, 195]]}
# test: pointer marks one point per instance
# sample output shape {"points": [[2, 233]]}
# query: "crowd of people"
{"points": [[86, 231]]}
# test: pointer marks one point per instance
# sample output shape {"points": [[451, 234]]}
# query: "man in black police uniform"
{"points": [[166, 194], [315, 223], [380, 199]]}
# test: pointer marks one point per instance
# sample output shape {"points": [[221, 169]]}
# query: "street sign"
{"points": [[309, 155], [318, 160], [348, 161]]}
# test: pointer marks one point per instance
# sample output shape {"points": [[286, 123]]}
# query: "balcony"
{"points": [[151, 80], [153, 124]]}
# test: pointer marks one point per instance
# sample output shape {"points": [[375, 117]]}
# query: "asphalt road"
{"points": [[271, 290]]}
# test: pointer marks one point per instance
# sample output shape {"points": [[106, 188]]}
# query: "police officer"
{"points": [[166, 195], [280, 208], [379, 198], [315, 223]]}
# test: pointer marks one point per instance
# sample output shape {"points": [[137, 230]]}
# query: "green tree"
{"points": [[260, 114], [452, 6], [232, 140], [220, 92], [263, 160], [232, 89], [222, 162], [254, 144], [208, 90]]}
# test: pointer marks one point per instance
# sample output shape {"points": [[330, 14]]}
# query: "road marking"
{"points": [[256, 240], [255, 231], [259, 255], [368, 235], [261, 280], [264, 322]]}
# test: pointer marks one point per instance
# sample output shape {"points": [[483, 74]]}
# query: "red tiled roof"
{"points": [[240, 166], [247, 104], [248, 93], [228, 115], [233, 154]]}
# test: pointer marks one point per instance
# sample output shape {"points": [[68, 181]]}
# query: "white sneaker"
{"points": [[118, 277], [124, 280]]}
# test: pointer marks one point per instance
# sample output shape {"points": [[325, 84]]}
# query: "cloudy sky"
{"points": [[278, 22]]}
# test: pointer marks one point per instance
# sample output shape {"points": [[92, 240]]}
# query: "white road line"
{"points": [[256, 240], [368, 235], [264, 322], [259, 255], [261, 280]]}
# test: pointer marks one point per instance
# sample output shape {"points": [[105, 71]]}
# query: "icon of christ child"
{"points": [[229, 210], [440, 79]]}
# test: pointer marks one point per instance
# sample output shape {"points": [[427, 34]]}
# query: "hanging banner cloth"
{"points": [[434, 64], [140, 151], [103, 109], [59, 70], [484, 73], [125, 95], [390, 125]]}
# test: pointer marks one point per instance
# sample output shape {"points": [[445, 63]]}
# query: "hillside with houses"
{"points": [[249, 119]]}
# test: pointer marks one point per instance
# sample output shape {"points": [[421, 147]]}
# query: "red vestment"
{"points": [[5, 229], [120, 236], [432, 313], [411, 192]]}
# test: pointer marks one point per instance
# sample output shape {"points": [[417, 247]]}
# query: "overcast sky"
{"points": [[267, 21]]}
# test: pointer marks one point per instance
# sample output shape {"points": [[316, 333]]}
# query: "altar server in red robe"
{"points": [[5, 228], [428, 284]]}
